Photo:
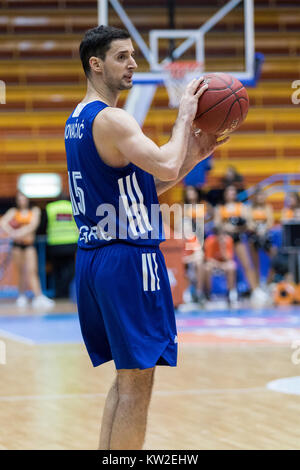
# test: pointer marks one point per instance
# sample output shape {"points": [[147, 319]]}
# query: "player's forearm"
{"points": [[174, 152], [188, 164], [199, 146]]}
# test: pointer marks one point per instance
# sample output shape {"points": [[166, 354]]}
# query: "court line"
{"points": [[20, 339], [63, 396]]}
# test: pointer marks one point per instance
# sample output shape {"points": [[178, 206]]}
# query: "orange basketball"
{"points": [[284, 294], [224, 105]]}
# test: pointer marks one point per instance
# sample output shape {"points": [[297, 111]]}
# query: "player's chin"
{"points": [[126, 84]]}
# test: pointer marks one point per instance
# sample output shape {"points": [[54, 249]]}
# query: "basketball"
{"points": [[224, 105]]}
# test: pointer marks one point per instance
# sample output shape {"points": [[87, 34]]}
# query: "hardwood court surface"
{"points": [[52, 398]]}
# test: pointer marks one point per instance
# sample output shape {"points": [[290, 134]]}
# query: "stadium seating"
{"points": [[40, 65]]}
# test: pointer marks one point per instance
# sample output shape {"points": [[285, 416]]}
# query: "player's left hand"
{"points": [[201, 144]]}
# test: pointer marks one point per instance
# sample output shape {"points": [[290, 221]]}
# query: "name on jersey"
{"points": [[74, 130]]}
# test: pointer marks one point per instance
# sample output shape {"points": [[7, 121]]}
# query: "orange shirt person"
{"points": [[20, 223], [219, 255], [261, 221], [233, 218], [292, 209], [219, 248], [22, 220]]}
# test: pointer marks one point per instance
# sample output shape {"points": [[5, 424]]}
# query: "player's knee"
{"points": [[135, 384], [134, 400]]}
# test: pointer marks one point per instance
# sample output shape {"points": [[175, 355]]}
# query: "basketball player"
{"points": [[115, 173]]}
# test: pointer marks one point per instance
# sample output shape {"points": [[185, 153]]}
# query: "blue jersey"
{"points": [[109, 204]]}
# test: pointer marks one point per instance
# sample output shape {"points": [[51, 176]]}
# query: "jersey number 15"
{"points": [[76, 193]]}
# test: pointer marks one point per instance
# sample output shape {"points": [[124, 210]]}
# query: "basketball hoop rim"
{"points": [[179, 68], [176, 77]]}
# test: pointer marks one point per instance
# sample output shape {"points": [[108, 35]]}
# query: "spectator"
{"points": [[193, 261], [195, 196], [219, 256], [280, 261], [292, 209], [20, 223], [232, 217], [62, 237], [261, 220], [233, 178]]}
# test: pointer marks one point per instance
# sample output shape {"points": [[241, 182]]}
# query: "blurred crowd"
{"points": [[237, 237], [238, 240]]}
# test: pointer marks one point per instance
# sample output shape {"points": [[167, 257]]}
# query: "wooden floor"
{"points": [[52, 398]]}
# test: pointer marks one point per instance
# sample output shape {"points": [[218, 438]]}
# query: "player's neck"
{"points": [[102, 93]]}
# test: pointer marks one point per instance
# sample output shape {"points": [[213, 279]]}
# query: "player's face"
{"points": [[119, 65]]}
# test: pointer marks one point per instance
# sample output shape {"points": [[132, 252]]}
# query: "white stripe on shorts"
{"points": [[147, 267]]}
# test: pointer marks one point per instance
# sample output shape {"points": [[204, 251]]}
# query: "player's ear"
{"points": [[96, 64]]}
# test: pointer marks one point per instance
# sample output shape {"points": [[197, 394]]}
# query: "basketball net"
{"points": [[177, 76]]}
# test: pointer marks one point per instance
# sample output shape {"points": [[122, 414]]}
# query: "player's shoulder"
{"points": [[112, 121], [111, 114]]}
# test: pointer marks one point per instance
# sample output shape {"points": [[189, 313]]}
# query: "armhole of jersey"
{"points": [[104, 165]]}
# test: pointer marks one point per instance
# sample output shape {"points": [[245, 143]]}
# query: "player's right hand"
{"points": [[189, 101]]}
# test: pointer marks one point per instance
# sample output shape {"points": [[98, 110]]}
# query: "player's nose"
{"points": [[132, 64]]}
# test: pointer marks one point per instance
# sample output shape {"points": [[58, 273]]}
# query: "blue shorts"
{"points": [[125, 306]]}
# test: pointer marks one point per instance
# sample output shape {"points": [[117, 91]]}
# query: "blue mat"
{"points": [[64, 328], [58, 328]]}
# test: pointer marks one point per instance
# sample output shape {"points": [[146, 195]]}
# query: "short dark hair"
{"points": [[96, 42]]}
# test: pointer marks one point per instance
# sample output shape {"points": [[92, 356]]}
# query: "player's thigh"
{"points": [[132, 289], [134, 293], [89, 311]]}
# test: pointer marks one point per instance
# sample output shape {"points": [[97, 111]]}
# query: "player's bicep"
{"points": [[138, 148], [135, 146]]}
